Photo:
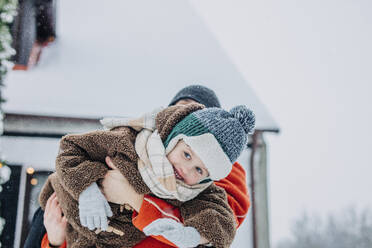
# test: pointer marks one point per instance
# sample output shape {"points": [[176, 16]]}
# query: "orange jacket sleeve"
{"points": [[45, 242], [151, 242], [235, 185]]}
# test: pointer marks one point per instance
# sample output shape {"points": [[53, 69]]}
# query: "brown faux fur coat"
{"points": [[81, 161]]}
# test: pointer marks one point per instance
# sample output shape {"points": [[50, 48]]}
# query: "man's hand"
{"points": [[114, 186], [54, 222], [117, 189]]}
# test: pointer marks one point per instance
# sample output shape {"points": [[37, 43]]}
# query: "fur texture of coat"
{"points": [[81, 161]]}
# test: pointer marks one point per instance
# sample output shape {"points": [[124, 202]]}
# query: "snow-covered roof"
{"points": [[124, 58]]}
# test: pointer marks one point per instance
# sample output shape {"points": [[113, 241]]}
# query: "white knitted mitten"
{"points": [[175, 232], [94, 208]]}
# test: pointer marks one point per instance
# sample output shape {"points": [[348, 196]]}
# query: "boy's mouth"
{"points": [[178, 176]]}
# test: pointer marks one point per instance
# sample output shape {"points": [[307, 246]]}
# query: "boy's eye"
{"points": [[187, 155], [199, 170]]}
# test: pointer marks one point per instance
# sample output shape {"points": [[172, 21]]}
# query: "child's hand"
{"points": [[117, 189], [54, 222]]}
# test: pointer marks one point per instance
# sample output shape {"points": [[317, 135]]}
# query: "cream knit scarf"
{"points": [[153, 165]]}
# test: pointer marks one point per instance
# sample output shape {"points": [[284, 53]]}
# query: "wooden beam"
{"points": [[260, 206]]}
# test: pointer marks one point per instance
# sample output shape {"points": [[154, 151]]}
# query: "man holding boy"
{"points": [[234, 185]]}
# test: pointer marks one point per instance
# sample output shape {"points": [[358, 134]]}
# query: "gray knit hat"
{"points": [[216, 136], [198, 93]]}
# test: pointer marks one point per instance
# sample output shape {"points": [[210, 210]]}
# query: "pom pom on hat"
{"points": [[245, 116]]}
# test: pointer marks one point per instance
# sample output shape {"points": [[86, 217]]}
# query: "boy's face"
{"points": [[186, 164]]}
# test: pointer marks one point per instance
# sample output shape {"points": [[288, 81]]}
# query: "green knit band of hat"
{"points": [[189, 126]]}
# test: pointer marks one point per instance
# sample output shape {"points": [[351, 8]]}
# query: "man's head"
{"points": [[196, 93]]}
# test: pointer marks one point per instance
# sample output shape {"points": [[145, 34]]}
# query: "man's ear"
{"points": [[110, 163]]}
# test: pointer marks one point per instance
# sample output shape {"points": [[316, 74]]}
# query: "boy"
{"points": [[225, 133]]}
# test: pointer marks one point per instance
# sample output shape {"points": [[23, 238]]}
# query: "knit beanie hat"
{"points": [[198, 93], [216, 136]]}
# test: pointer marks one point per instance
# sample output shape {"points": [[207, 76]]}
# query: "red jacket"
{"points": [[154, 208]]}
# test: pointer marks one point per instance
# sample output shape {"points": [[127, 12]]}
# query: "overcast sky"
{"points": [[310, 62]]}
